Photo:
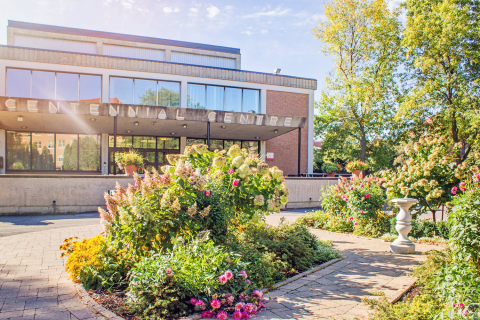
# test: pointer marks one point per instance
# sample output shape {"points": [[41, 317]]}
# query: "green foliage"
{"points": [[162, 285], [130, 157], [358, 103], [428, 228], [422, 307], [356, 165], [272, 252], [464, 223], [331, 167]]}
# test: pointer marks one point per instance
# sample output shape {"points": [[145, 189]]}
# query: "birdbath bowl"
{"points": [[403, 245]]}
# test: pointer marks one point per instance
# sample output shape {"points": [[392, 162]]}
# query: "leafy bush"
{"points": [[200, 190], [428, 228], [331, 167], [356, 165], [163, 285], [127, 158], [93, 264], [272, 252]]}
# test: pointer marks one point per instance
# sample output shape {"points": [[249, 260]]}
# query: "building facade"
{"points": [[70, 98]]}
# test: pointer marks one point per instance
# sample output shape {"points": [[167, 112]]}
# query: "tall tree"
{"points": [[442, 42], [359, 98]]}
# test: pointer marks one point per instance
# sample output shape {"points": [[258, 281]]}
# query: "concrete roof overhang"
{"points": [[171, 122]]}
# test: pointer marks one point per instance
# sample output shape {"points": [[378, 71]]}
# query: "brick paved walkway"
{"points": [[34, 285]]}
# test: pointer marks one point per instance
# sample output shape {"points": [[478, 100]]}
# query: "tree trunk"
{"points": [[434, 216], [363, 145]]}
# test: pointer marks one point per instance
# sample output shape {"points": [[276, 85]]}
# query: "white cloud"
{"points": [[248, 33], [272, 13], [193, 12], [228, 8], [170, 10], [128, 4], [264, 31], [212, 11]]}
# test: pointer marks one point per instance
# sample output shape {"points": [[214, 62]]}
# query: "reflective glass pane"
{"points": [[161, 158], [144, 142], [150, 157], [145, 92], [216, 144], [215, 97], [42, 152], [251, 101], [233, 99], [168, 94], [43, 85], [124, 142], [18, 151], [90, 88], [252, 147], [228, 144], [196, 96], [161, 142], [89, 152], [191, 142], [67, 152], [172, 143], [18, 83], [67, 86], [121, 90]]}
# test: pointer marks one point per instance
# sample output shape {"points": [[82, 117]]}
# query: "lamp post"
{"points": [[403, 245]]}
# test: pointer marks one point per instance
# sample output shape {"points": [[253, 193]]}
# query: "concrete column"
{"points": [[3, 151], [3, 77], [104, 153], [263, 101], [99, 47], [10, 36], [403, 245], [239, 63], [311, 107], [183, 144], [183, 94], [106, 88], [263, 150], [168, 55]]}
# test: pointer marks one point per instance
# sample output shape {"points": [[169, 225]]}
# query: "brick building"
{"points": [[70, 98]]}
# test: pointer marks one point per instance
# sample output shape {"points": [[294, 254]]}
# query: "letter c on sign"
{"points": [[11, 105], [212, 116]]}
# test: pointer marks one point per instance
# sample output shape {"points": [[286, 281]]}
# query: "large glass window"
{"points": [[18, 83], [196, 96], [90, 88], [168, 94], [223, 98], [50, 151], [145, 92], [53, 85], [43, 84], [251, 101], [67, 86], [215, 97], [121, 90], [153, 150]]}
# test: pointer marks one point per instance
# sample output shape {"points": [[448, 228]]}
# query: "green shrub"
{"points": [[428, 228], [272, 252], [374, 228], [162, 285]]}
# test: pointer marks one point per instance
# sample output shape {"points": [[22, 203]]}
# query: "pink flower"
{"points": [[257, 293], [200, 304], [476, 177], [191, 180], [362, 185], [208, 169], [355, 223], [207, 314], [230, 299], [454, 190], [361, 211], [193, 301], [351, 188], [344, 198], [462, 186], [262, 305], [235, 182], [215, 304], [239, 306], [245, 315], [170, 274], [249, 307], [243, 274], [222, 278], [237, 315], [231, 171], [367, 196], [169, 270], [248, 281], [229, 274], [206, 193], [222, 315], [350, 218], [461, 306]]}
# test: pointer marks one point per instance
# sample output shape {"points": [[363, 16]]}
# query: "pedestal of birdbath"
{"points": [[403, 245]]}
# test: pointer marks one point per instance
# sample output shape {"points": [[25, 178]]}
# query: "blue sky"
{"points": [[270, 34]]}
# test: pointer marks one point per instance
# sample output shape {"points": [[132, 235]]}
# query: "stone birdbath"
{"points": [[403, 245]]}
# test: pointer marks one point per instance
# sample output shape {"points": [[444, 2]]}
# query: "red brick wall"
{"points": [[285, 147]]}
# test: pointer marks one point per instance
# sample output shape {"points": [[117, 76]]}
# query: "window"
{"points": [[223, 98], [38, 152], [168, 94], [144, 92], [18, 83], [53, 85], [121, 90]]}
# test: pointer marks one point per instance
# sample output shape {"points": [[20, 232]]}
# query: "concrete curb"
{"points": [[305, 273], [93, 305], [400, 292]]}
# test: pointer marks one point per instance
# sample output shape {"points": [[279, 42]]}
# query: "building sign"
{"points": [[269, 155], [145, 112]]}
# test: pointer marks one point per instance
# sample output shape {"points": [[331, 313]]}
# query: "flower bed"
{"points": [[193, 239]]}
